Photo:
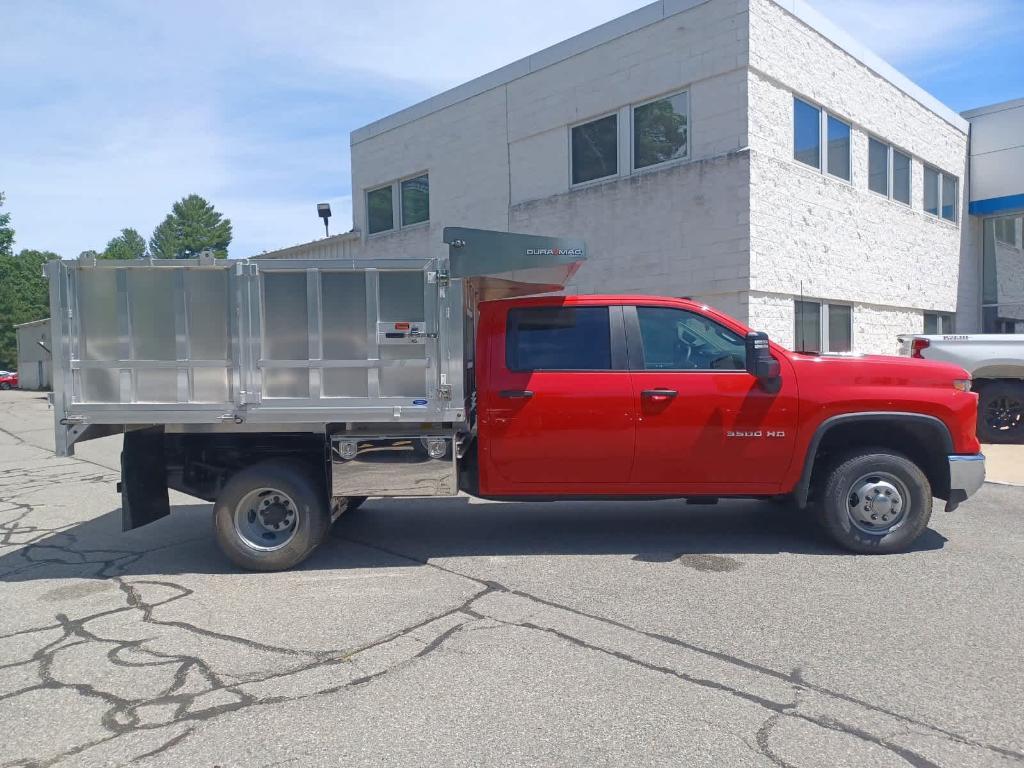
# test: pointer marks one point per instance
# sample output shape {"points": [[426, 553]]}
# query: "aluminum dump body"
{"points": [[281, 344]]}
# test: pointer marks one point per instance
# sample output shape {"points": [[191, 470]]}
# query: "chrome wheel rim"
{"points": [[877, 502], [266, 519]]}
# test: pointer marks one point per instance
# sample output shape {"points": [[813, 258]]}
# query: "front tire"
{"points": [[875, 502], [271, 516], [5, 386]]}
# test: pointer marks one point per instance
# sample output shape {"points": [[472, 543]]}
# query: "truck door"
{"points": [[704, 425], [556, 412]]}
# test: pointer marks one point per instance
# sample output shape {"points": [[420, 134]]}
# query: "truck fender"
{"points": [[936, 429]]}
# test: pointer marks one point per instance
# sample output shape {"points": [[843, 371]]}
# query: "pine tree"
{"points": [[192, 226], [127, 245]]}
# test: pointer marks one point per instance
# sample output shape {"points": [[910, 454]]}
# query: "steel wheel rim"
{"points": [[266, 519], [1004, 413], [877, 502]]}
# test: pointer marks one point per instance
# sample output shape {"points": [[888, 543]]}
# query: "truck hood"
{"points": [[879, 369]]}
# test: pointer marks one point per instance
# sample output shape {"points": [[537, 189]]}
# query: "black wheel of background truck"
{"points": [[875, 501], [1001, 412], [270, 516]]}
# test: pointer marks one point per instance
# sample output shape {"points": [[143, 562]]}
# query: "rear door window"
{"points": [[558, 339]]}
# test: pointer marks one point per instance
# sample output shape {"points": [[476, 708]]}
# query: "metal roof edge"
{"points": [[846, 42], [1001, 106], [631, 22], [352, 234]]}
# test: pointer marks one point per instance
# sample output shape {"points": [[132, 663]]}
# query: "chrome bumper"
{"points": [[966, 476]]}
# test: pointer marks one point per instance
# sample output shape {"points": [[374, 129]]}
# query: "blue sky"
{"points": [[111, 110]]}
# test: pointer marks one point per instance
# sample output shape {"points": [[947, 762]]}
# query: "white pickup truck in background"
{"points": [[996, 363]]}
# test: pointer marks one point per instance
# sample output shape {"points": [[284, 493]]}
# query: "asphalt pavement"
{"points": [[456, 633]]}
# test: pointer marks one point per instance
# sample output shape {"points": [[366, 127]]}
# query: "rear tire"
{"points": [[875, 502], [271, 516], [1001, 412]]}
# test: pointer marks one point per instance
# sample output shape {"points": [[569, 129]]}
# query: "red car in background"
{"points": [[8, 379]]}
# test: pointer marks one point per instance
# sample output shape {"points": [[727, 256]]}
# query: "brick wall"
{"points": [[831, 238]]}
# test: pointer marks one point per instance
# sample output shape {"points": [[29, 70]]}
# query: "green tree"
{"points": [[24, 296], [127, 245], [6, 233], [192, 226]]}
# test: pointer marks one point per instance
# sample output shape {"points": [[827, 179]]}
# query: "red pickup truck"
{"points": [[626, 396], [287, 392]]}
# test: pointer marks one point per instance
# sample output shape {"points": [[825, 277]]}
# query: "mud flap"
{"points": [[143, 483]]}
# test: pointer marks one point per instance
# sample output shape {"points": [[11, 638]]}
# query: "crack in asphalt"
{"points": [[796, 677], [190, 705]]}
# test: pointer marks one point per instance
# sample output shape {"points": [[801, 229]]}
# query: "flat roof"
{"points": [[280, 253], [32, 322], [1000, 107], [631, 22]]}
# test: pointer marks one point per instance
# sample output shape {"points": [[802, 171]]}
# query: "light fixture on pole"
{"points": [[323, 210]]}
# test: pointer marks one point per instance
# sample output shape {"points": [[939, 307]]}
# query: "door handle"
{"points": [[659, 394], [516, 394]]}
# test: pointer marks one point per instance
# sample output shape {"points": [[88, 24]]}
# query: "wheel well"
{"points": [[201, 464], [924, 442]]}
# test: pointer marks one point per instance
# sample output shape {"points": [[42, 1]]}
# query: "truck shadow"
{"points": [[410, 532]]}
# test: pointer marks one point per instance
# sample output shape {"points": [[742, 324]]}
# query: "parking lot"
{"points": [[450, 632]]}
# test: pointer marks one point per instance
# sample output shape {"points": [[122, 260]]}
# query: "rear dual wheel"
{"points": [[271, 516]]}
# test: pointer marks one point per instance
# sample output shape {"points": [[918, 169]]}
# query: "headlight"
{"points": [[964, 385]]}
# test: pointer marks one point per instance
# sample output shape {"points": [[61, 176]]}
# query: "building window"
{"points": [[380, 213], [949, 197], [888, 171], [1006, 230], [823, 326], [807, 133], [809, 124], [415, 200], [940, 193], [1002, 276], [838, 148], [878, 167], [660, 130], [595, 149], [840, 327], [900, 177], [558, 339], [936, 323]]}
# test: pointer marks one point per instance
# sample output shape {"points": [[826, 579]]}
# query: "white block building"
{"points": [[743, 152]]}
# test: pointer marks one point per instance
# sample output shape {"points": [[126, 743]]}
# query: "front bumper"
{"points": [[966, 476]]}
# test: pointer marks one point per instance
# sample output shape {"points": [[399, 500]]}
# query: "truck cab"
{"points": [[619, 396]]}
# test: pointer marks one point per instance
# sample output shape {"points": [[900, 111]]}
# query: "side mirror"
{"points": [[760, 363]]}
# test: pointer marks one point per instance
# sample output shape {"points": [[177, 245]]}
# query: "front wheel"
{"points": [[875, 502], [5, 386], [271, 516], [1001, 412]]}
